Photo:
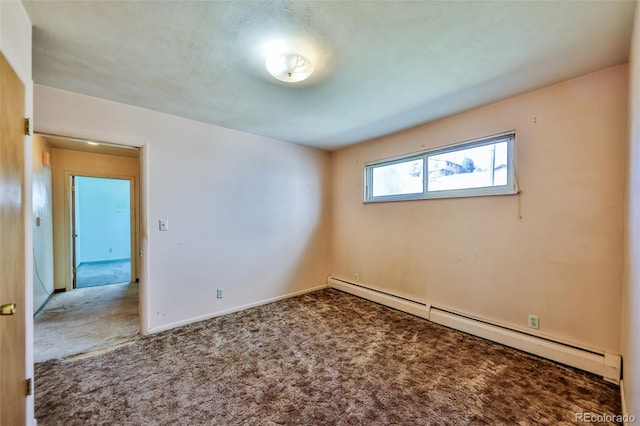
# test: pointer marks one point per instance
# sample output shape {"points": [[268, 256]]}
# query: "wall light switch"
{"points": [[163, 224]]}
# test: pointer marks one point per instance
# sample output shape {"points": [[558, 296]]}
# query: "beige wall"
{"points": [[246, 213], [42, 228], [555, 250], [631, 291], [83, 164]]}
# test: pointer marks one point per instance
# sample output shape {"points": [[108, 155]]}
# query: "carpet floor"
{"points": [[85, 320], [92, 274], [324, 358]]}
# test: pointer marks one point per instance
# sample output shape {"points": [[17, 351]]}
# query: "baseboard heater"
{"points": [[603, 364], [400, 303]]}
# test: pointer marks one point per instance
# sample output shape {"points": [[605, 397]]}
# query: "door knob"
{"points": [[8, 309]]}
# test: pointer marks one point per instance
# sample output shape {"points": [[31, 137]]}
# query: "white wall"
{"points": [[42, 224], [246, 213], [15, 38], [631, 289], [15, 44]]}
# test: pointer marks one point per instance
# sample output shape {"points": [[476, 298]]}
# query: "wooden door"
{"points": [[12, 269]]}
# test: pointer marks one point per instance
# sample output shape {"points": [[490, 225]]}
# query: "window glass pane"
{"points": [[477, 167], [398, 178]]}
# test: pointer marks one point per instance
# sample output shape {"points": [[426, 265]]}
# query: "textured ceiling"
{"points": [[380, 66]]}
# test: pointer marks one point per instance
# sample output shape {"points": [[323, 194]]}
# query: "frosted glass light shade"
{"points": [[289, 67]]}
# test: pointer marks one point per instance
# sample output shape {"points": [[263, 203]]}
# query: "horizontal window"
{"points": [[480, 167]]}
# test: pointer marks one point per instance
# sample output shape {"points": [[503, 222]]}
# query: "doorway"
{"points": [[101, 231], [94, 316]]}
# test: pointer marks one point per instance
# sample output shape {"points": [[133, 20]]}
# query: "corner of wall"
{"points": [[630, 385]]}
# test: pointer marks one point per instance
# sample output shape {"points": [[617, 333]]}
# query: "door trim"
{"points": [[74, 235]]}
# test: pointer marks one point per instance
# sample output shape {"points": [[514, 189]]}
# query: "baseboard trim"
{"points": [[390, 300], [607, 365], [105, 260], [232, 310], [623, 401]]}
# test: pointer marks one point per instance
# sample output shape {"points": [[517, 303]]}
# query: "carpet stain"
{"points": [[323, 358]]}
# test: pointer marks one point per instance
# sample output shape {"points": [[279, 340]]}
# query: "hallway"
{"points": [[86, 320]]}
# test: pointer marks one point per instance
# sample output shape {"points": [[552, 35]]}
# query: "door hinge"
{"points": [[27, 126], [29, 387]]}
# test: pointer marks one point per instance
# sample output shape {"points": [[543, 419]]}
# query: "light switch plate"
{"points": [[163, 224]]}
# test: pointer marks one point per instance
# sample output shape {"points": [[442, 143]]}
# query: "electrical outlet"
{"points": [[534, 322], [220, 293], [356, 277]]}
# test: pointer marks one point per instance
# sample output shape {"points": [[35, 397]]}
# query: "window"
{"points": [[480, 167]]}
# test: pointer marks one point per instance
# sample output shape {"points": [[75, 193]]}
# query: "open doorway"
{"points": [[101, 234], [77, 317]]}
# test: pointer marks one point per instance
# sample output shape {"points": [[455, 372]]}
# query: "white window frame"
{"points": [[510, 188]]}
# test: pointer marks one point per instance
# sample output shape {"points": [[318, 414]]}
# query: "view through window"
{"points": [[481, 167], [405, 177]]}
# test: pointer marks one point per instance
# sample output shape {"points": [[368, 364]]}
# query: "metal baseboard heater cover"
{"points": [[601, 363]]}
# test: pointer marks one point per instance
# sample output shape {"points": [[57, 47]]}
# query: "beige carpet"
{"points": [[324, 358], [86, 320]]}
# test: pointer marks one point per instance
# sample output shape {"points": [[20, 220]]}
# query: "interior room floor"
{"points": [[86, 320], [323, 358], [92, 274]]}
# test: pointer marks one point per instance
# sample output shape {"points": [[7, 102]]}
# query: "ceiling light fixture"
{"points": [[289, 67]]}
